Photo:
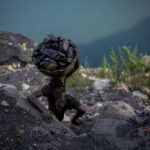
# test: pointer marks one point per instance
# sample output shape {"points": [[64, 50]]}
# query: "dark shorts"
{"points": [[71, 103]]}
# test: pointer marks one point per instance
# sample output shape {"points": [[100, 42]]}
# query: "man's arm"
{"points": [[33, 99], [76, 66]]}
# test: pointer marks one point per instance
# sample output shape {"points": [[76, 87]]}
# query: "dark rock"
{"points": [[46, 40], [62, 63], [141, 119], [15, 48], [108, 126], [119, 95], [38, 47], [63, 46], [36, 53], [70, 52], [41, 57], [73, 44], [60, 38], [61, 54], [8, 96], [52, 37], [55, 46], [49, 52], [36, 60], [47, 60], [9, 90], [69, 60], [93, 142]]}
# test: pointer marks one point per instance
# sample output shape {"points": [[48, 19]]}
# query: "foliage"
{"points": [[86, 66], [21, 133], [127, 67], [2, 40], [77, 81], [86, 63], [105, 71], [116, 72]]}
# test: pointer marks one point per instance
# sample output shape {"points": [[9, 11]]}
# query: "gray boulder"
{"points": [[121, 86], [101, 84], [108, 126], [146, 58], [91, 142], [117, 110], [121, 95], [140, 95], [96, 141], [9, 90]]}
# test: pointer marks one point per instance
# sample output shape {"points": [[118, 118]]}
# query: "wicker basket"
{"points": [[60, 72]]}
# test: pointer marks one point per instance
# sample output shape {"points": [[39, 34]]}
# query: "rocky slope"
{"points": [[116, 119], [15, 47]]}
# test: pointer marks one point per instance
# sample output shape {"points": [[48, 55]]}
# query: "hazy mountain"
{"points": [[138, 35]]}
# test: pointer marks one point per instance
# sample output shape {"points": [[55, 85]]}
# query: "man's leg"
{"points": [[72, 103], [80, 111], [59, 115]]}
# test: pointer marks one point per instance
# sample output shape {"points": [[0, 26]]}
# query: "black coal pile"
{"points": [[53, 54]]}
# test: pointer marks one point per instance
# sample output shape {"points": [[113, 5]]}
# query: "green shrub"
{"points": [[127, 67], [77, 81], [86, 63], [86, 66], [105, 71]]}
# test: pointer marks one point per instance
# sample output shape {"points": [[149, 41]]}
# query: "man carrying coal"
{"points": [[57, 58]]}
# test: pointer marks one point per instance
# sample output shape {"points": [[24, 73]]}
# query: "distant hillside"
{"points": [[138, 35]]}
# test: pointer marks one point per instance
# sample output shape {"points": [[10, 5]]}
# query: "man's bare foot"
{"points": [[76, 122]]}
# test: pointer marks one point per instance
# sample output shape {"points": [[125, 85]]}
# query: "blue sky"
{"points": [[80, 20]]}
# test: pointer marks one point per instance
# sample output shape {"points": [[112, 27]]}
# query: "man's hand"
{"points": [[47, 116]]}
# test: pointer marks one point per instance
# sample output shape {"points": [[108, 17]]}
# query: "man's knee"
{"points": [[81, 109]]}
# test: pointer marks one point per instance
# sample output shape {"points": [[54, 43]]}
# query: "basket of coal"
{"points": [[55, 56]]}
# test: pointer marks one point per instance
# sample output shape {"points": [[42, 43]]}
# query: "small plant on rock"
{"points": [[21, 133]]}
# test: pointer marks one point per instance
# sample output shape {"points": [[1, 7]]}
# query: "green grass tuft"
{"points": [[127, 67], [77, 81], [21, 133]]}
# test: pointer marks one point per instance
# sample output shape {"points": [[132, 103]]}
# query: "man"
{"points": [[58, 100]]}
